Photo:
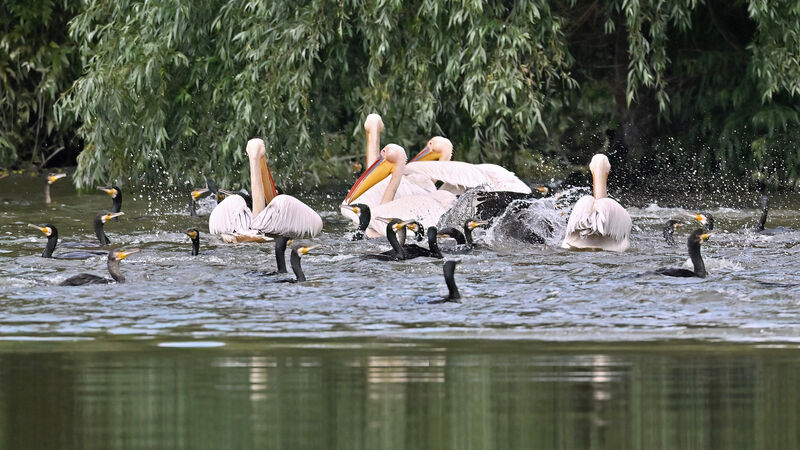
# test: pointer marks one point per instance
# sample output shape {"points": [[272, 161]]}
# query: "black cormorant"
{"points": [[99, 220], [489, 205], [294, 261], [706, 220], [453, 296], [762, 221], [194, 235], [697, 237], [669, 229], [114, 257], [116, 197], [51, 232]]}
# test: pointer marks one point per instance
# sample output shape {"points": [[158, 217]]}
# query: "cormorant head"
{"points": [[48, 229], [699, 236], [192, 233], [121, 254], [357, 208], [112, 191], [53, 177], [416, 227], [673, 224], [472, 224], [105, 216], [198, 193], [542, 189], [302, 250], [707, 220]]}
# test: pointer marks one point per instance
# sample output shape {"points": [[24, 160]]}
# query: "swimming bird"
{"points": [[194, 196], [194, 235], [762, 221], [457, 177], [453, 296], [294, 261], [99, 220], [114, 257], [373, 196], [52, 178], [670, 227], [51, 232], [424, 208], [697, 237], [598, 222], [490, 204], [463, 240], [364, 215], [272, 214], [397, 252], [116, 197], [707, 220]]}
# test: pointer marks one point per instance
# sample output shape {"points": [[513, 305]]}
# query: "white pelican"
{"points": [[492, 176], [598, 222], [273, 215], [373, 125], [424, 208]]}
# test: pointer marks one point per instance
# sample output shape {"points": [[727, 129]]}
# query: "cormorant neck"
{"points": [[117, 206], [697, 260], [294, 260], [113, 269], [100, 233], [467, 236], [364, 218], [47, 193], [52, 241], [192, 207], [433, 244], [195, 245], [457, 235], [449, 278], [392, 237], [763, 220], [280, 254]]}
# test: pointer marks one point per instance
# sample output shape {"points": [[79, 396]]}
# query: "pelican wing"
{"points": [[230, 216], [288, 216], [409, 185], [427, 209], [503, 179], [598, 224], [459, 174]]}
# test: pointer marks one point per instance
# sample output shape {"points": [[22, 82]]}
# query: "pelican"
{"points": [[493, 177], [373, 125], [598, 222], [52, 178], [273, 215], [424, 208]]}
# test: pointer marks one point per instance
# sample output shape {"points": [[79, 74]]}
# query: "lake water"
{"points": [[549, 349]]}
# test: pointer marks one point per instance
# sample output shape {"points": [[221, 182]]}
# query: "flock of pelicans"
{"points": [[391, 197]]}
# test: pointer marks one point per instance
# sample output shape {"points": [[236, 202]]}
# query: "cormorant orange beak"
{"points": [[110, 216], [372, 176], [477, 223], [122, 254], [304, 250], [704, 237], [110, 191], [46, 230], [356, 210], [191, 233], [53, 177], [542, 189], [198, 192]]}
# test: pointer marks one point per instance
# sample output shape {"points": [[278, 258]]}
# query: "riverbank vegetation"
{"points": [[170, 91]]}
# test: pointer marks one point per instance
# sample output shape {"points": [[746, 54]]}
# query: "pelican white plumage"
{"points": [[598, 222], [460, 176], [272, 215], [410, 185], [424, 208]]}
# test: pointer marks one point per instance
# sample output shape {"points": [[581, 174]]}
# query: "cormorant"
{"points": [[669, 229], [453, 296], [99, 220], [294, 261], [491, 204], [194, 235], [697, 237], [707, 220], [52, 178], [763, 220], [114, 257], [51, 232], [116, 196]]}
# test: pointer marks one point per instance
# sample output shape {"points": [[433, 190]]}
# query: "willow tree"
{"points": [[173, 89]]}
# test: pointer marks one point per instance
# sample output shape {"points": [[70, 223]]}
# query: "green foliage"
{"points": [[36, 66]]}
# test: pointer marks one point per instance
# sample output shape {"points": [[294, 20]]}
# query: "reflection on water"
{"points": [[278, 394]]}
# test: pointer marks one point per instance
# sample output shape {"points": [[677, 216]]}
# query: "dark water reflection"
{"points": [[433, 394]]}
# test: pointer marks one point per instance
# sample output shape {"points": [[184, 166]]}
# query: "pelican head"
{"points": [[372, 123], [106, 217], [113, 191], [46, 228], [53, 177], [438, 149], [391, 157]]}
